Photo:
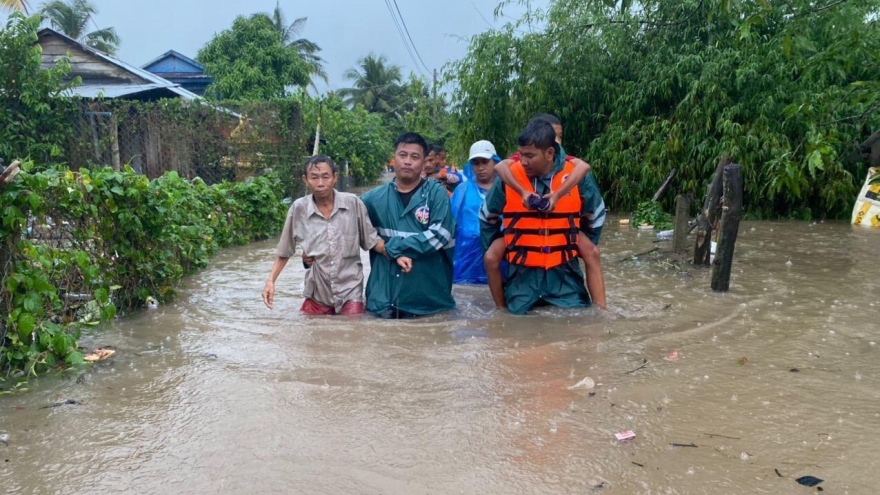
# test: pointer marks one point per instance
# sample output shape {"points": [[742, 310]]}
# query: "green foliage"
{"points": [[376, 86], [73, 18], [644, 87], [116, 237], [651, 213], [424, 113], [249, 62], [307, 49], [35, 121], [352, 135]]}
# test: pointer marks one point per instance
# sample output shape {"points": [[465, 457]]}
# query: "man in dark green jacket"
{"points": [[414, 217]]}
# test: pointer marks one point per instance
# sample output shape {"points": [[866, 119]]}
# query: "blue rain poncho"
{"points": [[467, 199]]}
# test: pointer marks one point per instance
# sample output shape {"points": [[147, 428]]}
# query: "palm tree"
{"points": [[72, 18], [376, 85], [15, 5], [306, 49]]}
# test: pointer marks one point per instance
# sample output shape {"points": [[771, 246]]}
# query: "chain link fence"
{"points": [[216, 142]]}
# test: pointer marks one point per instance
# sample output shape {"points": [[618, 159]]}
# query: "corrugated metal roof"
{"points": [[176, 62], [89, 91]]}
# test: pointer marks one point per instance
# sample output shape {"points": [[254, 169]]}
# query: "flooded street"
{"points": [[778, 379]]}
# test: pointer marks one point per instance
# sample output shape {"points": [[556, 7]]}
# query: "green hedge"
{"points": [[111, 238]]}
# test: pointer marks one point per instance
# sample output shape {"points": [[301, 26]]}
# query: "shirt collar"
{"points": [[312, 208]]}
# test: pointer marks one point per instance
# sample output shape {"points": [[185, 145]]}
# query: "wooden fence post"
{"points": [[707, 216], [114, 144], [682, 213], [731, 214]]}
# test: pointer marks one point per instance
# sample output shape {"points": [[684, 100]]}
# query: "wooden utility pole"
{"points": [[707, 216], [682, 214], [732, 211]]}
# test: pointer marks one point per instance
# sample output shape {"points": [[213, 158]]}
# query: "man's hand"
{"points": [[308, 260], [269, 294], [553, 198], [525, 196], [405, 264], [452, 179]]}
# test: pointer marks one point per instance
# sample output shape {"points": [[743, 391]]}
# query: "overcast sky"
{"points": [[346, 30]]}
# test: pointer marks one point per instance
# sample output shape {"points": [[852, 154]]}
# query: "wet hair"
{"points": [[411, 138], [316, 160], [548, 118], [538, 133]]}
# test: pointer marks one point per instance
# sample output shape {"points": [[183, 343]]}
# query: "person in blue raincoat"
{"points": [[467, 199]]}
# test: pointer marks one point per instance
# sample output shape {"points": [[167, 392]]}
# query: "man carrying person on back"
{"points": [[541, 244], [413, 216]]}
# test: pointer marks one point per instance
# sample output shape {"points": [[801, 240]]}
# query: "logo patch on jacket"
{"points": [[423, 215]]}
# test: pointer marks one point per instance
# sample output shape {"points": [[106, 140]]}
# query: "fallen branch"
{"points": [[9, 173], [692, 445], [713, 435], [637, 369], [640, 254]]}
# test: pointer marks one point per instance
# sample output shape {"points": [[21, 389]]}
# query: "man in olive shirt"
{"points": [[331, 227]]}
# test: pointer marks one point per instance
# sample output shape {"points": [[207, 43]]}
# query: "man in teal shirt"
{"points": [[414, 217], [562, 285]]}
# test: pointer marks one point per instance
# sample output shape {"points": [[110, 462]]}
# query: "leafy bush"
{"points": [[644, 87], [112, 237], [34, 121], [651, 213], [352, 135]]}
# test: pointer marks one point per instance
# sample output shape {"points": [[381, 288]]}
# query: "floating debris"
{"points": [[809, 481], [586, 383], [4, 439], [99, 355], [625, 435], [151, 302]]}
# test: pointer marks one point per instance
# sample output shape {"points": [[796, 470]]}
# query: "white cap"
{"points": [[482, 149]]}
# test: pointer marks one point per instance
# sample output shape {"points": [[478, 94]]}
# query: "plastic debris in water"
{"points": [[625, 435], [809, 481], [788, 263], [4, 439], [151, 302], [673, 355], [99, 355], [586, 383], [665, 235]]}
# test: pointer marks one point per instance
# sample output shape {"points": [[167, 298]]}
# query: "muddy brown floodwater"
{"points": [[216, 394]]}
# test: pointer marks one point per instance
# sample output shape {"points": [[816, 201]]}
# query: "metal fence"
{"points": [[214, 142]]}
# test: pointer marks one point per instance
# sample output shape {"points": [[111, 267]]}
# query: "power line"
{"points": [[400, 33], [402, 36], [410, 37]]}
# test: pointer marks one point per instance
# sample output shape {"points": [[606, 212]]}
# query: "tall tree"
{"points": [[306, 49], [376, 85], [249, 62], [72, 19], [15, 5]]}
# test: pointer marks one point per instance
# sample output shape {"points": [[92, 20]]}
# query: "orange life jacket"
{"points": [[539, 239]]}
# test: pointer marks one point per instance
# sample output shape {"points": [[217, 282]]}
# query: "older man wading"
{"points": [[330, 226], [413, 216]]}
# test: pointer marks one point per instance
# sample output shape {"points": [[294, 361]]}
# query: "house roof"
{"points": [[173, 62], [114, 89]]}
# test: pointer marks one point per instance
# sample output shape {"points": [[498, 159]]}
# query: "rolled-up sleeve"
{"points": [[366, 232], [287, 243]]}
